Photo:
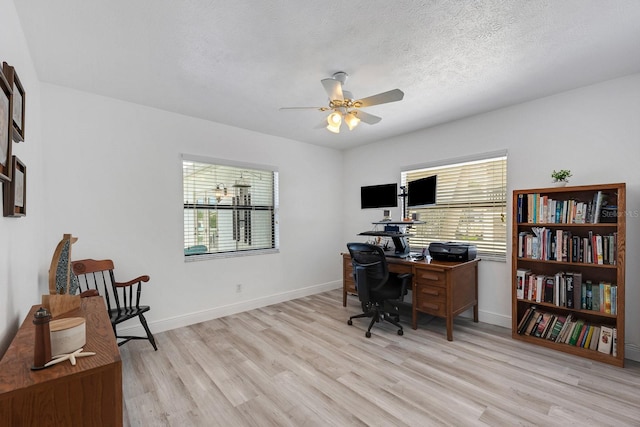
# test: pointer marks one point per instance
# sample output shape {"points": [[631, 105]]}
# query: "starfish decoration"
{"points": [[69, 356]]}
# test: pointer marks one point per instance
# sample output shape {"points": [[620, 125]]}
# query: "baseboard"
{"points": [[632, 352], [213, 313], [490, 318], [494, 319]]}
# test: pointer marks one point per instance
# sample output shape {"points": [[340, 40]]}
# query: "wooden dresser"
{"points": [[440, 288], [88, 394]]}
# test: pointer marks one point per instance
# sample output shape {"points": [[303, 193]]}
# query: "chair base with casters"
{"points": [[379, 293], [389, 314], [122, 298]]}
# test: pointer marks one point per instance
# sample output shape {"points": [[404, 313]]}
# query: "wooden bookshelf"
{"points": [[572, 217]]}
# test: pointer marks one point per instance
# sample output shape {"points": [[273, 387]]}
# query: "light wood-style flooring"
{"points": [[298, 363]]}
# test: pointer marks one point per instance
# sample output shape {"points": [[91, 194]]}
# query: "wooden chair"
{"points": [[122, 298]]}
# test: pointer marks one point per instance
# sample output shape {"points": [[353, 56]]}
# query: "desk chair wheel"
{"points": [[400, 332], [349, 322], [367, 334]]}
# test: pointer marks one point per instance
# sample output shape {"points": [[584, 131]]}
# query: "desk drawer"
{"points": [[430, 277], [431, 299], [399, 268]]}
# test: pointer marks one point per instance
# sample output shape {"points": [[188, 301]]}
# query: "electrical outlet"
{"points": [[239, 288]]}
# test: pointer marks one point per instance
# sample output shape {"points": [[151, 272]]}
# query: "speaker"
{"points": [[414, 216]]}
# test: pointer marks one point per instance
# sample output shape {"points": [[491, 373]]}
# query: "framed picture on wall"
{"points": [[17, 111], [5, 129], [15, 192]]}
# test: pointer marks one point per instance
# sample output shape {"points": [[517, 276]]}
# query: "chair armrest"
{"points": [[361, 279], [89, 293], [132, 281], [406, 283]]}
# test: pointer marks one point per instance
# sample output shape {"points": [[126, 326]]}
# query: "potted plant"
{"points": [[561, 177]]}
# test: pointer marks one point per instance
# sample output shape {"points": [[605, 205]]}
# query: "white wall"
{"points": [[20, 238], [109, 173], [593, 131], [114, 180]]}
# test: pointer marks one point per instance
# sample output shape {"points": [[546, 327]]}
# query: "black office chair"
{"points": [[379, 293]]}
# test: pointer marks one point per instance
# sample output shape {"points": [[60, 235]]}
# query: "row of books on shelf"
{"points": [[567, 289], [540, 208], [568, 330], [561, 245]]}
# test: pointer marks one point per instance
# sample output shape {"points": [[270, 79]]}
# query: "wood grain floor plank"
{"points": [[298, 363]]}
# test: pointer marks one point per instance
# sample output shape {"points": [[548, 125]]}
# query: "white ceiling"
{"points": [[237, 62]]}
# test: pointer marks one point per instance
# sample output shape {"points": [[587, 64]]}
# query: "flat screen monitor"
{"points": [[422, 192], [379, 196]]}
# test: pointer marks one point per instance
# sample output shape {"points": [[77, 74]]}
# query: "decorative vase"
{"points": [[559, 183]]}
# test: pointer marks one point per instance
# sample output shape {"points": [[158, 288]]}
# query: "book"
{"points": [[549, 326], [563, 330], [539, 288], [599, 251], [595, 338], [577, 289], [587, 341], [606, 338], [607, 297], [581, 335], [542, 325], [569, 332], [575, 334], [614, 299], [549, 289], [556, 328], [589, 295], [568, 279], [525, 319], [521, 275], [614, 343], [533, 323], [595, 297]]}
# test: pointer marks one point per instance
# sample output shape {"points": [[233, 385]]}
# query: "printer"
{"points": [[452, 251]]}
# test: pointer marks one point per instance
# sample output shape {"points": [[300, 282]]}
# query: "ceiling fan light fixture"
{"points": [[334, 129], [334, 119], [351, 120]]}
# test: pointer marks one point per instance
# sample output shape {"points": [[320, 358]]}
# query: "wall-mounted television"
{"points": [[379, 196], [422, 192]]}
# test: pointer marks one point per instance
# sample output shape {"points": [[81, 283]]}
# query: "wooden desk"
{"points": [[88, 394], [440, 288]]}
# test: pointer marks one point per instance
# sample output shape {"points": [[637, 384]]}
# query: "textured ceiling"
{"points": [[237, 62]]}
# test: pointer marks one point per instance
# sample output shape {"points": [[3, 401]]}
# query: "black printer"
{"points": [[452, 251]]}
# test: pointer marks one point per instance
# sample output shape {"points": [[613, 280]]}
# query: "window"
{"points": [[229, 209], [471, 203]]}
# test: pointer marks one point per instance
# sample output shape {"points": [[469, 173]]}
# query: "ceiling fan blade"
{"points": [[305, 108], [382, 98], [321, 125], [333, 88], [366, 117]]}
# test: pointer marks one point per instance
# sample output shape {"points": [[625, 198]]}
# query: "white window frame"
{"points": [[200, 196], [449, 219]]}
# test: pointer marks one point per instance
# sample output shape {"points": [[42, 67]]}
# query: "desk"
{"points": [[440, 288], [88, 394]]}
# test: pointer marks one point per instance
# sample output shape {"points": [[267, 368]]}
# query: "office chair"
{"points": [[378, 292], [122, 298]]}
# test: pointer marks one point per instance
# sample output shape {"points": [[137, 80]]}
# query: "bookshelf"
{"points": [[568, 266]]}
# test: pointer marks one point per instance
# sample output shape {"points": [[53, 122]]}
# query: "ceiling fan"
{"points": [[345, 108]]}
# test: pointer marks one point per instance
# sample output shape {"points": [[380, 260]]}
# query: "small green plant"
{"points": [[561, 175]]}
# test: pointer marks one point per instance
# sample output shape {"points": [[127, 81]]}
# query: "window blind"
{"points": [[471, 203], [228, 209]]}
